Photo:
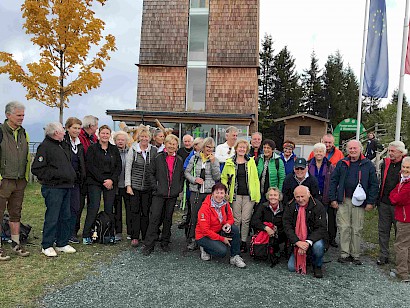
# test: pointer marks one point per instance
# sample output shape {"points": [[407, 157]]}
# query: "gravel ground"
{"points": [[178, 279]]}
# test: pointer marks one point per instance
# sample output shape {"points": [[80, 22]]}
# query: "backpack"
{"points": [[104, 232], [261, 247], [6, 234]]}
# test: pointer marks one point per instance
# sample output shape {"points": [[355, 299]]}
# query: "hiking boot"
{"points": [[192, 245], [317, 272], [147, 250], [183, 225], [382, 261], [66, 249], [49, 252], [135, 242], [87, 241], [237, 261], [357, 261], [165, 247], [3, 256], [20, 251], [244, 248], [118, 237], [74, 240], [204, 255], [345, 260]]}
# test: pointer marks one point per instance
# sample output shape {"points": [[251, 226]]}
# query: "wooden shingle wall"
{"points": [[232, 90], [161, 88], [233, 32], [164, 32]]}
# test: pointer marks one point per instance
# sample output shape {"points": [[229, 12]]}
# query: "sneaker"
{"points": [[382, 261], [74, 240], [183, 225], [204, 255], [129, 237], [165, 247], [49, 252], [135, 243], [237, 261], [118, 237], [146, 250], [3, 256], [66, 249], [357, 261], [87, 241], [317, 272], [20, 251], [192, 245], [333, 243], [345, 260]]}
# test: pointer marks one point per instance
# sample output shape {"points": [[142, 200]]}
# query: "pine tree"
{"points": [[312, 101], [350, 94]]}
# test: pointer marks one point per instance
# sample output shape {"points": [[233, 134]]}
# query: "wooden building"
{"points": [[198, 67], [304, 130]]}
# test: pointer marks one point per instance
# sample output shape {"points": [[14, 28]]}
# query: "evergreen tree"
{"points": [[350, 94], [312, 101]]}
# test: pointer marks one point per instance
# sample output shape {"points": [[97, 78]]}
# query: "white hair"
{"points": [[319, 146], [399, 146], [52, 128], [89, 120], [12, 106], [406, 159], [121, 132]]}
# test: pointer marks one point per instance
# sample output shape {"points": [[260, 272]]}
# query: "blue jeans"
{"points": [[94, 194], [57, 218], [316, 252], [219, 249]]}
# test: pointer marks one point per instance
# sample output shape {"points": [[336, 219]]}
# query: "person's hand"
{"points": [[108, 184], [227, 241], [211, 157], [302, 245], [369, 207], [199, 181], [130, 191], [226, 228], [269, 231], [334, 204]]}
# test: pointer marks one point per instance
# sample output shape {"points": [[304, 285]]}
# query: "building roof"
{"points": [[131, 115], [301, 115]]}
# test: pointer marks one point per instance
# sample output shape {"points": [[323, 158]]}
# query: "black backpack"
{"points": [[104, 232], [6, 234]]}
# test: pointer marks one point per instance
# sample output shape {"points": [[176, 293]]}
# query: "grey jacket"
{"points": [[193, 171]]}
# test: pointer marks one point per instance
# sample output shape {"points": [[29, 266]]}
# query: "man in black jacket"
{"points": [[299, 176], [315, 224], [166, 176], [53, 168]]}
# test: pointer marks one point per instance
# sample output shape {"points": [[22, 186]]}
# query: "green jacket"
{"points": [[229, 175], [276, 175]]}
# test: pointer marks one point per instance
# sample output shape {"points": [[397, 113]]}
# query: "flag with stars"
{"points": [[376, 69]]}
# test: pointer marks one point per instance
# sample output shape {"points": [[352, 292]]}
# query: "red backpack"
{"points": [[261, 247]]}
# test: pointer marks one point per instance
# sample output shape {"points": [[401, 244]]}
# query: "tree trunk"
{"points": [[61, 87]]}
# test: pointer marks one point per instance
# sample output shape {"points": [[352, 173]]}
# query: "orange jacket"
{"points": [[208, 221], [337, 155]]}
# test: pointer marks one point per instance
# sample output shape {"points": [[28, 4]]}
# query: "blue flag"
{"points": [[376, 69]]}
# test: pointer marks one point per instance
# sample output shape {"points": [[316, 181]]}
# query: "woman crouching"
{"points": [[215, 231]]}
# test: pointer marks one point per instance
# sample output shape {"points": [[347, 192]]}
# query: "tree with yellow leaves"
{"points": [[65, 32]]}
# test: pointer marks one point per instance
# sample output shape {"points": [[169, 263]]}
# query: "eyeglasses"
{"points": [[300, 168]]}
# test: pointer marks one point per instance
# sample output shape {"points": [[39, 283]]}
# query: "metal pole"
{"points": [[359, 105], [403, 61]]}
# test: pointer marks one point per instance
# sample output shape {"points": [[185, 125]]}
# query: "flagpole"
{"points": [[359, 105], [403, 61]]}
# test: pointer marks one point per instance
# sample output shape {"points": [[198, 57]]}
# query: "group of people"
{"points": [[230, 191]]}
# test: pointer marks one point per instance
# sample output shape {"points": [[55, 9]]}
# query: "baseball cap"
{"points": [[300, 163]]}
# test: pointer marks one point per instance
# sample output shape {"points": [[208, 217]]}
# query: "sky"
{"points": [[323, 26]]}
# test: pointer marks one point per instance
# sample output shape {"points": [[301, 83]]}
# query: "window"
{"points": [[199, 3], [196, 88], [304, 130]]}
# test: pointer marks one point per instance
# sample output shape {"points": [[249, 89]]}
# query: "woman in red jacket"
{"points": [[215, 217], [399, 198]]}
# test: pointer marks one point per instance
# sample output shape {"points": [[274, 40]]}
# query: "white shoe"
{"points": [[49, 252], [204, 255], [237, 261], [66, 249]]}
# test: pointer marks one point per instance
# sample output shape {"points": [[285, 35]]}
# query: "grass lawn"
{"points": [[25, 280]]}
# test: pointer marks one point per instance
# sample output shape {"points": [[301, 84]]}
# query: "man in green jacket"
{"points": [[14, 170]]}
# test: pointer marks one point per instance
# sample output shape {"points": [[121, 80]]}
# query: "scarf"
{"points": [[263, 176], [218, 207], [301, 233]]}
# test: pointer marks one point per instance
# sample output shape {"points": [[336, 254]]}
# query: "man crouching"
{"points": [[304, 221], [53, 168]]}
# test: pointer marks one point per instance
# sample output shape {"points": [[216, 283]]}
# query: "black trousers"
{"points": [[140, 204], [83, 198], [119, 197], [331, 222], [160, 207], [196, 203]]}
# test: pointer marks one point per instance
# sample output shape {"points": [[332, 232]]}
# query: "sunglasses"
{"points": [[300, 168]]}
